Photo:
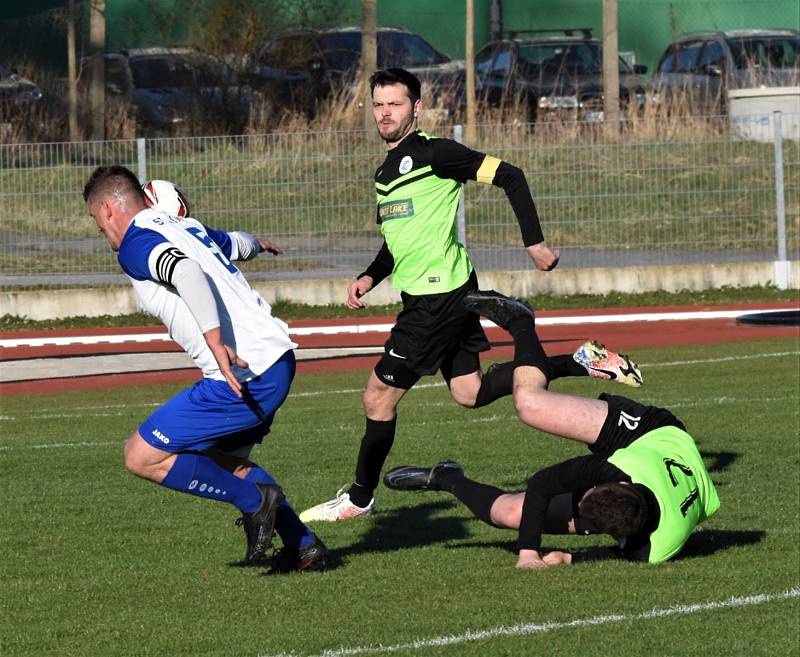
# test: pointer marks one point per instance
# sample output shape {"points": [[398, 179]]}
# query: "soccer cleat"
{"points": [[410, 477], [289, 560], [259, 526], [339, 508], [497, 307], [605, 364]]}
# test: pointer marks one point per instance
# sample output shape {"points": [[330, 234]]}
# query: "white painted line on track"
{"points": [[384, 328], [529, 629]]}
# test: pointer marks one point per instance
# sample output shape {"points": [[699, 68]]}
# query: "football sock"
{"points": [[528, 348], [565, 365], [477, 497], [292, 531], [497, 381], [198, 474], [375, 445]]}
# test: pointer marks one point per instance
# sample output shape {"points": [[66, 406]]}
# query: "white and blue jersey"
{"points": [[149, 250], [209, 414]]}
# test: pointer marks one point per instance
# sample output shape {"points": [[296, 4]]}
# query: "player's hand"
{"points": [[356, 290], [226, 358], [530, 560], [269, 246], [557, 558], [543, 256]]}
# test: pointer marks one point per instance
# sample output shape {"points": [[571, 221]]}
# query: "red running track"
{"points": [[621, 336]]}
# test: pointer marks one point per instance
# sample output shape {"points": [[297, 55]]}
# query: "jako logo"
{"points": [[161, 436], [192, 485]]}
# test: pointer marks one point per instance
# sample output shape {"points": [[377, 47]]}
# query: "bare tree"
{"points": [[470, 135], [369, 54], [97, 92], [610, 62], [72, 81]]}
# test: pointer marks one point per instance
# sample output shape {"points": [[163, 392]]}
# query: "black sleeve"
{"points": [[579, 473], [381, 267], [453, 160]]}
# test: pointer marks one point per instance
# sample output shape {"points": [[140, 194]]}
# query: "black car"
{"points": [[700, 67], [297, 69], [556, 77], [20, 100], [175, 90]]}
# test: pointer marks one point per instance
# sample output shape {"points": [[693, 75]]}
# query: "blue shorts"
{"points": [[209, 414]]}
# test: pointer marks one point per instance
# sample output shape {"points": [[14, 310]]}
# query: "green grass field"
{"points": [[96, 562]]}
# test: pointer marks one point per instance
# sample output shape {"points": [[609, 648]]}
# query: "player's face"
{"points": [[395, 114]]}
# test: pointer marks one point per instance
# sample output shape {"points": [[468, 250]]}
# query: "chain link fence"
{"points": [[662, 192]]}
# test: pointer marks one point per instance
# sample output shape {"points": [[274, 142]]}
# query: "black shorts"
{"points": [[628, 420], [433, 332]]}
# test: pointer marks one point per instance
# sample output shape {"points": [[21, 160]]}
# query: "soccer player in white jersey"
{"points": [[198, 442]]}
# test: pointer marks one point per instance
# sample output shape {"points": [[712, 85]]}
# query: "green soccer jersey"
{"points": [[667, 462]]}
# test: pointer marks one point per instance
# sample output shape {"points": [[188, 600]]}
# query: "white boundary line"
{"points": [[528, 629], [384, 328]]}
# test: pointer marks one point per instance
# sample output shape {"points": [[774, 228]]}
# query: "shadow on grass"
{"points": [[700, 544], [407, 527]]}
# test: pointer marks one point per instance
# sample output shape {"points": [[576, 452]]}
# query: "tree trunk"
{"points": [[369, 55], [470, 133], [610, 62], [72, 82], [97, 44]]}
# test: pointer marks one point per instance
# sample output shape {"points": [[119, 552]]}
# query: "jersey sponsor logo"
{"points": [[396, 355], [160, 436], [399, 209], [406, 164]]}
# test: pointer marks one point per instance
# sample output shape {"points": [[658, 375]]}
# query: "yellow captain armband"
{"points": [[487, 170]]}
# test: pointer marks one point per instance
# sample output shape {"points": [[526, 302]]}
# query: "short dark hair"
{"points": [[614, 509], [389, 76], [112, 180]]}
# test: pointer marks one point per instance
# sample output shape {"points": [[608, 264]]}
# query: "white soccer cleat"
{"points": [[339, 508], [607, 365]]}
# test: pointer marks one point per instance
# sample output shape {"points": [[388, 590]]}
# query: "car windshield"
{"points": [[766, 52], [407, 50], [177, 71], [580, 58]]}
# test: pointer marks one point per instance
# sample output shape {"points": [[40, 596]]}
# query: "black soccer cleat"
{"points": [[310, 558], [259, 526], [410, 477], [497, 307]]}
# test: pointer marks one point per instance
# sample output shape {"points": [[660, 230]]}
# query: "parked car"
{"points": [[701, 67], [19, 100], [170, 88], [555, 76], [297, 69]]}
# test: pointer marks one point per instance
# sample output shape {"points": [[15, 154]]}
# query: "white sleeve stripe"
{"points": [[165, 264]]}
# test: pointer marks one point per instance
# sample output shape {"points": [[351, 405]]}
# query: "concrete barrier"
{"points": [[119, 300]]}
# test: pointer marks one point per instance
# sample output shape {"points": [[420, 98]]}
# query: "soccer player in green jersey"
{"points": [[644, 483], [417, 189]]}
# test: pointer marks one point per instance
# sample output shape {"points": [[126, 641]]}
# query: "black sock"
{"points": [[528, 348], [497, 381], [565, 365], [477, 497], [375, 446]]}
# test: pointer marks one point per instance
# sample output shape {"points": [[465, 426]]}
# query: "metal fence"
{"points": [[637, 193]]}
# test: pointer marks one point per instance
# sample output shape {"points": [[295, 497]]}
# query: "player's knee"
{"points": [[132, 456], [529, 404]]}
